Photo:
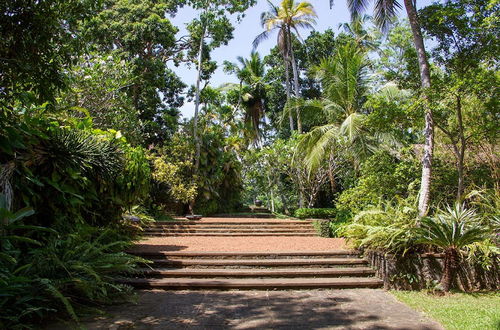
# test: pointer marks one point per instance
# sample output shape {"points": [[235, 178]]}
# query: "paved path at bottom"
{"points": [[311, 309]]}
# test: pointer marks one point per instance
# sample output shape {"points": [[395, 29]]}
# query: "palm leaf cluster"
{"points": [[288, 15], [80, 151], [251, 91], [344, 80], [451, 231], [286, 19], [384, 11], [455, 228]]}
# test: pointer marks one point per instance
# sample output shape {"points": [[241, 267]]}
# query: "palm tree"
{"points": [[287, 17], [344, 80], [251, 89], [384, 13], [451, 231], [356, 29]]}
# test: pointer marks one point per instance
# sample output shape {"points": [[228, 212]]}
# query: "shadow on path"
{"points": [[311, 309]]}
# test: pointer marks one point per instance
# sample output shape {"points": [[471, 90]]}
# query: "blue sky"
{"points": [[245, 32]]}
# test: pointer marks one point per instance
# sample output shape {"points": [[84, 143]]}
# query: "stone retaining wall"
{"points": [[418, 271]]}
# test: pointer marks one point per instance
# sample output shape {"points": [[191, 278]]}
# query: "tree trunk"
{"points": [[196, 137], [425, 80], [450, 264], [197, 105], [282, 197], [287, 83], [461, 152], [295, 80], [331, 175]]}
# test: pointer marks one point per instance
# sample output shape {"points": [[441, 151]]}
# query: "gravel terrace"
{"points": [[239, 244]]}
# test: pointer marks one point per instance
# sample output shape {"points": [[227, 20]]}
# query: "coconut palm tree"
{"points": [[287, 18], [451, 231], [356, 29], [251, 89], [384, 12], [344, 80]]}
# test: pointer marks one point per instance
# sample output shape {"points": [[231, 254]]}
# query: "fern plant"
{"points": [[387, 227]]}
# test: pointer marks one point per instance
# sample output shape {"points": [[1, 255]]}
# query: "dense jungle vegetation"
{"points": [[390, 125]]}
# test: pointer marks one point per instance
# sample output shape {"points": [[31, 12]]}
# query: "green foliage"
{"points": [[54, 262], [139, 33], [322, 227], [173, 170], [304, 213], [251, 95], [387, 227], [466, 31], [456, 228], [67, 172], [219, 179], [452, 231], [63, 276], [98, 85], [382, 176], [35, 47]]}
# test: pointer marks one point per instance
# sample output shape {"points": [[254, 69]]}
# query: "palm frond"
{"points": [[384, 13]]}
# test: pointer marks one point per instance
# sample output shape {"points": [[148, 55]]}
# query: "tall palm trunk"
{"points": [[295, 78], [288, 92], [425, 81], [197, 105], [195, 118], [460, 152]]}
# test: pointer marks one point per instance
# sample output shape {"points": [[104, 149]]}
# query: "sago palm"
{"points": [[384, 12], [451, 231], [286, 19]]}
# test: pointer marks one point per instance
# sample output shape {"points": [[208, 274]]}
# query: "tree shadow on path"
{"points": [[290, 309]]}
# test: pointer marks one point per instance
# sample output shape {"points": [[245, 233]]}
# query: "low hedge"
{"points": [[322, 228], [304, 213]]}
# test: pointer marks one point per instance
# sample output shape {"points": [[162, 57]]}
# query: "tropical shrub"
{"points": [[382, 176], [70, 173], [79, 182], [304, 213], [388, 227]]}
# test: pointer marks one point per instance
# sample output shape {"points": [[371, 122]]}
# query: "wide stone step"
{"points": [[251, 283], [232, 230], [241, 255], [273, 272], [229, 226], [246, 215], [233, 223], [231, 234], [260, 262]]}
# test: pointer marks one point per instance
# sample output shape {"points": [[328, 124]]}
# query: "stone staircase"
{"points": [[254, 270], [223, 228], [249, 270]]}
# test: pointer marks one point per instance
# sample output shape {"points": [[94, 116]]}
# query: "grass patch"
{"points": [[457, 310]]}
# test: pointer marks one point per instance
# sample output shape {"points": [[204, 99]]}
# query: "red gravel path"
{"points": [[240, 244], [209, 219]]}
